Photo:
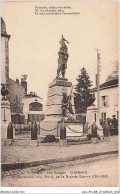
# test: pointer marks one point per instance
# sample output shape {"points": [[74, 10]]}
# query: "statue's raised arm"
{"points": [[62, 59]]}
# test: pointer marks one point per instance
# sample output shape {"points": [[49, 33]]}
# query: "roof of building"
{"points": [[3, 26], [106, 85], [32, 95], [11, 81]]}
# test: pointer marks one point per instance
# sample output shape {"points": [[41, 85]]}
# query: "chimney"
{"points": [[24, 84]]}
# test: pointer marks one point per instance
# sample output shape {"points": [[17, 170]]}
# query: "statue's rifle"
{"points": [[71, 92]]}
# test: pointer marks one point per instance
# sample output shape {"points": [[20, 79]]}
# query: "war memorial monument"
{"points": [[60, 106]]}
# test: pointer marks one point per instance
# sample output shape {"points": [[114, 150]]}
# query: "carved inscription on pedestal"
{"points": [[54, 100]]}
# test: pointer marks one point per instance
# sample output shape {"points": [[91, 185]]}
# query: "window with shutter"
{"points": [[103, 116], [104, 100]]}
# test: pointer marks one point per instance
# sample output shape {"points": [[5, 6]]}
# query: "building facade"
{"points": [[25, 108], [33, 108], [109, 97]]}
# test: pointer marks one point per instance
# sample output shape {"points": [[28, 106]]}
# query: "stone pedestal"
{"points": [[53, 112], [63, 142], [106, 130], [5, 118], [34, 131], [33, 143], [8, 141], [92, 114], [94, 129], [95, 140], [100, 130]]}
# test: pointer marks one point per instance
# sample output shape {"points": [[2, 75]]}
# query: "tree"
{"points": [[82, 96], [16, 105], [114, 74]]}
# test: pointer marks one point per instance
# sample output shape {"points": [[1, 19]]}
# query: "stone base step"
{"points": [[25, 142]]}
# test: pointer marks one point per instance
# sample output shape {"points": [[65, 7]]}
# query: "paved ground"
{"points": [[24, 153], [101, 171]]}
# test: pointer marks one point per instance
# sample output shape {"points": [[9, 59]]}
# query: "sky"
{"points": [[34, 42]]}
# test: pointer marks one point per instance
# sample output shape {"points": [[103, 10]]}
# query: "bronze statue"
{"points": [[67, 110], [64, 103], [63, 57]]}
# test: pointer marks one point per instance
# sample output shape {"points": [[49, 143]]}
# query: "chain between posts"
{"points": [[97, 128], [38, 127], [90, 126], [47, 129], [56, 128]]}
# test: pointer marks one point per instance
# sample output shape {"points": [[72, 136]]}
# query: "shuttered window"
{"points": [[103, 116], [105, 101]]}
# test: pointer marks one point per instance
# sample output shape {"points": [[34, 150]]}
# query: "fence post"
{"points": [[106, 131], [10, 131], [63, 140], [62, 130], [94, 129], [34, 131]]}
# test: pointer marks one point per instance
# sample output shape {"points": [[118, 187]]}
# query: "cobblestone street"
{"points": [[43, 175]]}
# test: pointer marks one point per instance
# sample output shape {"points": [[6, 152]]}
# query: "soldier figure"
{"points": [[66, 105], [65, 101], [63, 57]]}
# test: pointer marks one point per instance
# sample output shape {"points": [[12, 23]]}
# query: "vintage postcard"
{"points": [[59, 94]]}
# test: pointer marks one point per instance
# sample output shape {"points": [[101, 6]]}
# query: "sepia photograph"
{"points": [[59, 94]]}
